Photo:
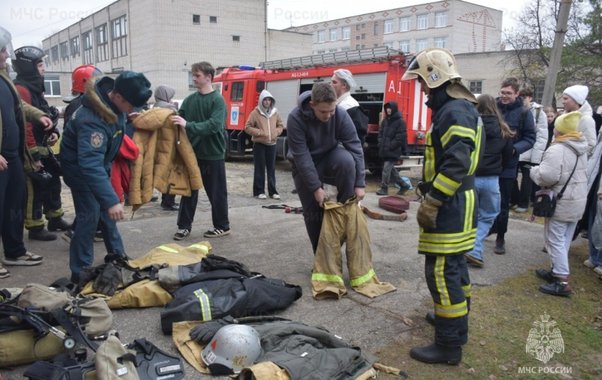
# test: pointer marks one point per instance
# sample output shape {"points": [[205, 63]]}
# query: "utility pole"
{"points": [[556, 53]]}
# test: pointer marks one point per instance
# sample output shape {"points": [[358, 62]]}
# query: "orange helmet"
{"points": [[81, 75]]}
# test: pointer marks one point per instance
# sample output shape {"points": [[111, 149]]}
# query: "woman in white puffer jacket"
{"points": [[568, 151]]}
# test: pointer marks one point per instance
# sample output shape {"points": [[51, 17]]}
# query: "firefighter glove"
{"points": [[204, 332], [108, 280], [427, 212]]}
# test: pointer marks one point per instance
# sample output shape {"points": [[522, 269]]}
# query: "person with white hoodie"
{"points": [[574, 99], [264, 125]]}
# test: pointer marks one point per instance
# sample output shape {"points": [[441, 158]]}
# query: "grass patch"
{"points": [[500, 320]]}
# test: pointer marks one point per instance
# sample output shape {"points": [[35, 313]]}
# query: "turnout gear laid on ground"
{"points": [[292, 350], [220, 292], [345, 223]]}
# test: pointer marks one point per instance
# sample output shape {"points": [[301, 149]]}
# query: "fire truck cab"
{"points": [[378, 74]]}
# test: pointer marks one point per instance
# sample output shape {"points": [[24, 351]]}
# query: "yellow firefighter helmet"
{"points": [[435, 66]]}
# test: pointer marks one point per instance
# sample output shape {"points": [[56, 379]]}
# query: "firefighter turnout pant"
{"points": [[345, 223], [449, 283], [43, 199]]}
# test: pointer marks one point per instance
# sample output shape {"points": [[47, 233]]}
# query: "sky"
{"points": [[30, 21]]}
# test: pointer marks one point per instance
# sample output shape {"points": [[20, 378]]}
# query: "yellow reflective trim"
{"points": [[467, 290], [457, 130], [204, 304], [443, 237], [446, 185], [360, 280], [451, 311], [202, 247], [469, 196], [440, 280], [323, 277], [444, 249], [429, 159], [476, 153], [168, 249]]}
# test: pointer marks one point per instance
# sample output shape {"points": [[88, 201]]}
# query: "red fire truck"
{"points": [[378, 75]]}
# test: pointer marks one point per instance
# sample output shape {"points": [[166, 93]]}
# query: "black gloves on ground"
{"points": [[108, 280], [203, 333]]}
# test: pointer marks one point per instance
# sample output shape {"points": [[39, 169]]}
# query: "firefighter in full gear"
{"points": [[447, 215], [43, 197]]}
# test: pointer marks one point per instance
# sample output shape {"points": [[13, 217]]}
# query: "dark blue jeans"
{"points": [[88, 214], [264, 158], [213, 174], [12, 206]]}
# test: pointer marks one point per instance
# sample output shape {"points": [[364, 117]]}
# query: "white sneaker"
{"points": [[598, 271], [262, 196], [275, 196], [588, 263]]}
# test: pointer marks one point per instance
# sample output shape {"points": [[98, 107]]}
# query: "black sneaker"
{"points": [[557, 288], [216, 232], [181, 234], [545, 275], [98, 236]]}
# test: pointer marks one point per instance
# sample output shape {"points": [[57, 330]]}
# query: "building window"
{"points": [[475, 86], [404, 24], [376, 28], [404, 46], [333, 34], [236, 38], [87, 43], [196, 19], [237, 91], [332, 50], [321, 35], [388, 26], [422, 22], [47, 57], [357, 46], [119, 32], [64, 50], [421, 44], [75, 46], [54, 53], [440, 19], [213, 19], [102, 43], [346, 32], [440, 42], [52, 85], [363, 36]]}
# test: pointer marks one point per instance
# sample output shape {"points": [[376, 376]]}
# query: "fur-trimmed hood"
{"points": [[97, 99]]}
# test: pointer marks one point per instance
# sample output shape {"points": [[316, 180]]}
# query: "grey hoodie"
{"points": [[163, 96]]}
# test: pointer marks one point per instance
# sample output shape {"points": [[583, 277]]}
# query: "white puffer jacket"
{"points": [[535, 154], [554, 171]]}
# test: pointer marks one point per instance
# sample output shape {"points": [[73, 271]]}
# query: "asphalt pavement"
{"points": [[275, 244]]}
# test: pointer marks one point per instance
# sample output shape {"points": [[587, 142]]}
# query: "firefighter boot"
{"points": [[500, 245], [58, 224], [436, 353], [384, 190], [41, 234]]}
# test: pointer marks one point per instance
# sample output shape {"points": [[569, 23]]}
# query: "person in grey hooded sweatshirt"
{"points": [[264, 125], [163, 99]]}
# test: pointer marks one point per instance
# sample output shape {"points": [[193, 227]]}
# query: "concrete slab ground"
{"points": [[275, 243]]}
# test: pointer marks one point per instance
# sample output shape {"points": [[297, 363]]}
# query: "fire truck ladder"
{"points": [[376, 54]]}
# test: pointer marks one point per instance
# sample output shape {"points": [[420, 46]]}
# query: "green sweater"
{"points": [[205, 116]]}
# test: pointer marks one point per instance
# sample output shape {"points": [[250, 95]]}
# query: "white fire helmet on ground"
{"points": [[233, 348]]}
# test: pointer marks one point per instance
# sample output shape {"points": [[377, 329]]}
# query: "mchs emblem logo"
{"points": [[544, 339]]}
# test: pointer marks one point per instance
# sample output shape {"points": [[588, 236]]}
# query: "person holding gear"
{"points": [[80, 77], [15, 159], [91, 140], [447, 215], [342, 81], [43, 197]]}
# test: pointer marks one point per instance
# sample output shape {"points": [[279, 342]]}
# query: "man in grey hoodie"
{"points": [[324, 148]]}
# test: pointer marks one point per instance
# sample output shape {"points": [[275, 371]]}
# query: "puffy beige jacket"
{"points": [[264, 126], [166, 161]]}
